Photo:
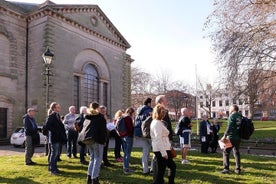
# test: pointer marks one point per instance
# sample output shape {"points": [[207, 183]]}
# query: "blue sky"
{"points": [[165, 36]]}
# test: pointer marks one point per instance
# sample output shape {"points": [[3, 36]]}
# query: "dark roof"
{"points": [[20, 6]]}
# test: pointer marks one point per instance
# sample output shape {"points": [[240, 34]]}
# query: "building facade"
{"points": [[219, 104], [90, 60]]}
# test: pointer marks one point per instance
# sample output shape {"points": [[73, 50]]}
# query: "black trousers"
{"points": [[236, 151], [162, 163], [105, 150]]}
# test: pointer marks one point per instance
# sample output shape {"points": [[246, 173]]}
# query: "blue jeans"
{"points": [[127, 143], [54, 156], [96, 157]]}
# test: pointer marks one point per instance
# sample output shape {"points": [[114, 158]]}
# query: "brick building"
{"points": [[90, 60]]}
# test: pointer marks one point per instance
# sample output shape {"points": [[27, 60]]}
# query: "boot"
{"points": [[88, 180], [95, 181]]}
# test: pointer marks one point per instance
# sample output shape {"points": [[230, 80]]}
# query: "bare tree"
{"points": [[208, 93], [177, 96], [243, 35], [140, 81], [162, 82]]}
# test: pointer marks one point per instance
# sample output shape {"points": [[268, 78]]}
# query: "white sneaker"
{"points": [[185, 162]]}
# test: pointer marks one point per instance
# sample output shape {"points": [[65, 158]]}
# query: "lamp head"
{"points": [[47, 57]]}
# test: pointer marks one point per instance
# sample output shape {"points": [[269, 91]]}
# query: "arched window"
{"points": [[91, 84]]}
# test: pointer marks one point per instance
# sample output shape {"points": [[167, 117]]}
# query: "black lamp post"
{"points": [[47, 57]]}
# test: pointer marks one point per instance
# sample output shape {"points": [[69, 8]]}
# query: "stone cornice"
{"points": [[56, 12]]}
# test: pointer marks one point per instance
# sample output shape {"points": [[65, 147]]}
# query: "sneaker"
{"points": [[185, 162], [84, 162], [119, 159], [128, 171], [225, 171], [31, 163], [107, 164], [55, 173], [147, 173], [237, 171]]}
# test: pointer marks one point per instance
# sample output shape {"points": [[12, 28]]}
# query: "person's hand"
{"points": [[223, 137], [165, 157]]}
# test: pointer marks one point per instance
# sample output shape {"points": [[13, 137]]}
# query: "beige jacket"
{"points": [[159, 137]]}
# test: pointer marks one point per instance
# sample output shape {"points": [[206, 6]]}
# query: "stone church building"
{"points": [[90, 61]]}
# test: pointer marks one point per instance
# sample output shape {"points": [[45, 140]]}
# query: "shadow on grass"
{"points": [[17, 180]]}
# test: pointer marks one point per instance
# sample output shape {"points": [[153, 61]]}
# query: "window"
{"points": [[201, 104], [234, 101], [240, 102], [213, 103], [220, 103], [91, 84], [77, 92], [226, 102], [105, 94]]}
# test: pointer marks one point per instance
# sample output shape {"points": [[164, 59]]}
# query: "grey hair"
{"points": [[82, 108], [159, 99]]}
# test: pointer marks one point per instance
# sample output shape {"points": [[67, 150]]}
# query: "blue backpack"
{"points": [[141, 116]]}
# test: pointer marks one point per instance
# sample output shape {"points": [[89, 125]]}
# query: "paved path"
{"points": [[10, 150]]}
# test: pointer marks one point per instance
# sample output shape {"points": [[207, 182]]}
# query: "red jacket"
{"points": [[129, 125]]}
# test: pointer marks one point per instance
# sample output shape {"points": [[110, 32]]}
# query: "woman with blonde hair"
{"points": [[161, 146], [118, 140]]}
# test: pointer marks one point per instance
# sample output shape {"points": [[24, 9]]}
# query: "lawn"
{"points": [[264, 130], [204, 169]]}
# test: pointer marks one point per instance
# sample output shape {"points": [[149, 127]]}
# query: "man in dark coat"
{"points": [[205, 133], [31, 135]]}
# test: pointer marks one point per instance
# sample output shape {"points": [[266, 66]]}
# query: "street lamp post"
{"points": [[47, 57]]}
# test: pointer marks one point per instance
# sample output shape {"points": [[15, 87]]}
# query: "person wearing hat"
{"points": [[31, 135], [142, 113]]}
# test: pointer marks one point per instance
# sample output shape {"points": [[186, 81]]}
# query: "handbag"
{"points": [[86, 135], [173, 153]]}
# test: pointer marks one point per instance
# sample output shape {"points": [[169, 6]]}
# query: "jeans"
{"points": [[96, 156], [236, 152], [72, 137], [127, 143], [29, 149], [146, 146], [162, 163], [54, 156]]}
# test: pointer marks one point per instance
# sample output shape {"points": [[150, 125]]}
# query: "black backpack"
{"points": [[121, 128], [246, 128], [146, 127]]}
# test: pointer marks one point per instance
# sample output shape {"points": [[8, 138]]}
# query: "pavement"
{"points": [[11, 150]]}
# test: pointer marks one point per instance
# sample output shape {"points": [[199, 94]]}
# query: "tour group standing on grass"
{"points": [[92, 129]]}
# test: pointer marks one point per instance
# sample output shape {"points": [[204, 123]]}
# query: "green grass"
{"points": [[205, 169], [264, 130]]}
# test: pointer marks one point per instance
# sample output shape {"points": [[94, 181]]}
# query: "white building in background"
{"points": [[220, 103]]}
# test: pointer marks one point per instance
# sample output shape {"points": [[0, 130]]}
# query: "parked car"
{"points": [[18, 137]]}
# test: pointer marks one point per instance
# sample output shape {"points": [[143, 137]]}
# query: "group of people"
{"points": [[209, 135], [94, 119]]}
